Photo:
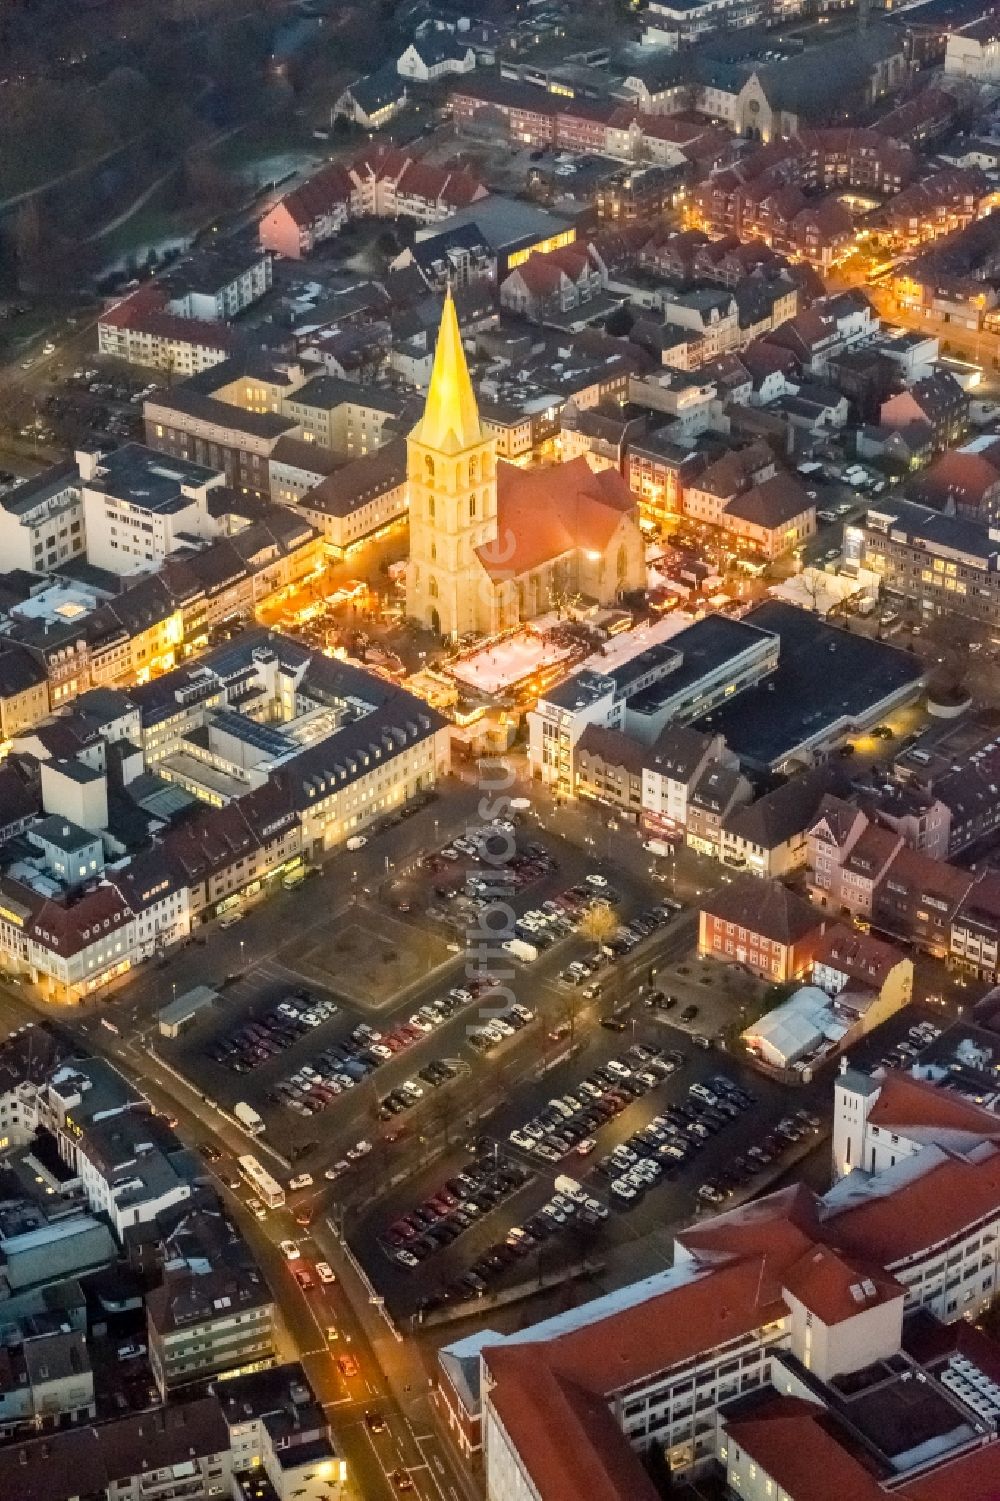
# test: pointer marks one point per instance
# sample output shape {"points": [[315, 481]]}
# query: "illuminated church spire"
{"points": [[450, 422]]}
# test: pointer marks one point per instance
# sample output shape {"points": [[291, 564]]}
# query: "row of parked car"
{"points": [[467, 892], [919, 1037], [743, 1169], [448, 1212], [412, 1091], [624, 941], [567, 1124], [671, 1138], [570, 1205], [253, 1043], [342, 1065], [490, 1034]]}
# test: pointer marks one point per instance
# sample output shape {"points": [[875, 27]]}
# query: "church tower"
{"points": [[451, 469]]}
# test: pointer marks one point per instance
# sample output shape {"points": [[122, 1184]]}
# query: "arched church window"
{"points": [[432, 588], [622, 561], [434, 552], [430, 508], [472, 471], [472, 505], [429, 467]]}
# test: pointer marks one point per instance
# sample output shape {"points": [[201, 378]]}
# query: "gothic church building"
{"points": [[492, 544]]}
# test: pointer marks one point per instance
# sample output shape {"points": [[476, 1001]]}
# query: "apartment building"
{"points": [[143, 330], [975, 931], [42, 520], [213, 1312], [216, 286], [382, 182], [158, 1455], [940, 563], [139, 507]]}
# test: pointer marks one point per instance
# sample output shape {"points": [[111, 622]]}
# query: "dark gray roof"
{"points": [[358, 482], [45, 486], [786, 811], [148, 479], [825, 676]]}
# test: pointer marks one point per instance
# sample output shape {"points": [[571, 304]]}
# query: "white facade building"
{"points": [[784, 1294], [42, 522], [140, 506]]}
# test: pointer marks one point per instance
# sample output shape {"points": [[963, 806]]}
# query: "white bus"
{"points": [[267, 1189]]}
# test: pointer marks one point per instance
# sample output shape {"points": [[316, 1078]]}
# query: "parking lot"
{"points": [[701, 1128]]}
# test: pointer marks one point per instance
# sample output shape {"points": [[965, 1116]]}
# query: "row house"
{"points": [[144, 330], [769, 836], [937, 205], [383, 182], [974, 945], [717, 795], [707, 496], [918, 898], [551, 284]]}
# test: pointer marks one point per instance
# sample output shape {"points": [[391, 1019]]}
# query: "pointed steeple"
{"points": [[450, 422]]}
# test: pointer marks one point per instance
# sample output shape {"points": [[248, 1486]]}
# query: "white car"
{"points": [[357, 842], [420, 1022], [289, 1250], [597, 881], [301, 1180], [360, 1149], [256, 1208], [622, 1189], [406, 1258], [230, 920], [325, 1272]]}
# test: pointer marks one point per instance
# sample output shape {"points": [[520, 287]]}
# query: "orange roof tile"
{"points": [[924, 1210], [573, 1445], [905, 1101], [823, 1281], [794, 1445], [545, 512]]}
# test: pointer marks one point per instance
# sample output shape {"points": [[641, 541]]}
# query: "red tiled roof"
{"points": [[793, 1443], [905, 1101], [922, 873], [145, 311], [67, 928], [858, 955], [764, 907], [548, 511], [572, 1444], [872, 851], [964, 476], [779, 1228], [318, 195], [718, 1304], [823, 1280], [925, 1210]]}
